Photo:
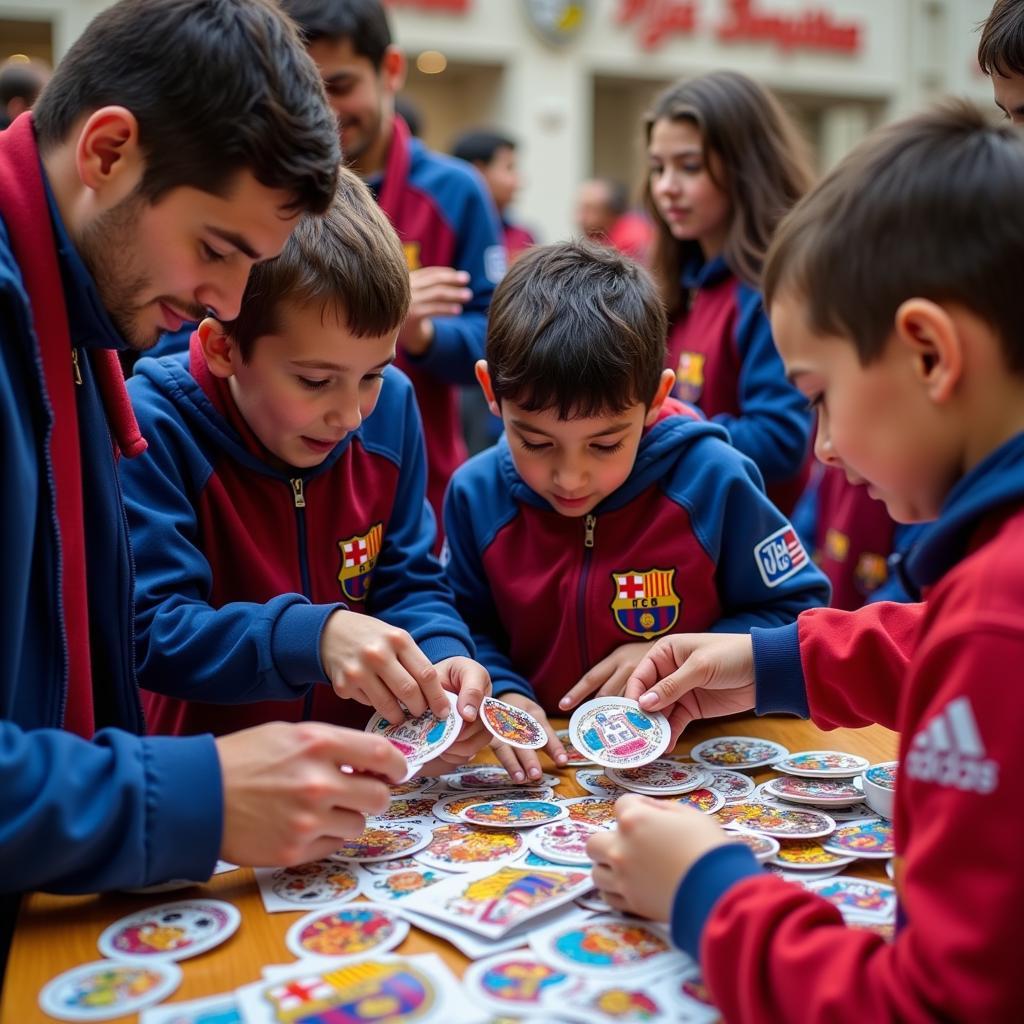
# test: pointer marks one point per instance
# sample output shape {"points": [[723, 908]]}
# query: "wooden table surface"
{"points": [[55, 933]]}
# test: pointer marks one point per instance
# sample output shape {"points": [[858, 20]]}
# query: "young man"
{"points": [[603, 215], [609, 515], [21, 82], [917, 370], [494, 156], [439, 207], [136, 197], [282, 537]]}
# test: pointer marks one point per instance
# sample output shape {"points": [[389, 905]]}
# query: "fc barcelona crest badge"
{"points": [[358, 557], [645, 604]]}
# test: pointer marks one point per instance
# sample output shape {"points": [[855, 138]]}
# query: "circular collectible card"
{"points": [[450, 808], [171, 931], [512, 725], [491, 776], [883, 774], [618, 733], [762, 847], [600, 943], [808, 855], [576, 757], [107, 988], [707, 801], [403, 807], [384, 842], [659, 778], [858, 896], [515, 983], [385, 867], [595, 810], [787, 874], [397, 884], [349, 931], [461, 847], [563, 842], [823, 764], [781, 822], [413, 786], [732, 785], [423, 738], [821, 792], [871, 838], [595, 782], [513, 813], [310, 885], [738, 752]]}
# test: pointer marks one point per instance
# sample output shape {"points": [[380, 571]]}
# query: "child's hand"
{"points": [[695, 675], [469, 679], [377, 664], [638, 867], [524, 765], [609, 675]]}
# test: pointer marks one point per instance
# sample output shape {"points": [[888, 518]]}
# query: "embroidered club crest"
{"points": [[690, 377], [358, 557], [645, 604]]}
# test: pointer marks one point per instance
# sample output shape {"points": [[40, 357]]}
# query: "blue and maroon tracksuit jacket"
{"points": [[853, 539], [239, 564], [726, 363], [688, 543], [445, 217]]}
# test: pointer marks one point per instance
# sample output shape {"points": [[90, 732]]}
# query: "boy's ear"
{"points": [[108, 157], [665, 383], [483, 376], [218, 347], [932, 338]]}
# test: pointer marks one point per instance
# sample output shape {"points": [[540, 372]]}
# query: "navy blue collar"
{"points": [[700, 274]]}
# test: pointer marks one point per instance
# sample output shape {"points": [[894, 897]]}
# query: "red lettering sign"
{"points": [[434, 6], [808, 30], [659, 19]]}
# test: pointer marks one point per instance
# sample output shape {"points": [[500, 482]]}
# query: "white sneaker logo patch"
{"points": [[949, 752], [779, 556]]}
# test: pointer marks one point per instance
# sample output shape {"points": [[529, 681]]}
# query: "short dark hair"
{"points": [[349, 263], [929, 207], [1001, 47], [217, 87], [363, 22], [481, 147], [576, 327]]}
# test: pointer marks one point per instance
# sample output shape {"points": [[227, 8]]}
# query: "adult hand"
{"points": [[639, 865], [608, 677], [470, 680], [293, 792], [524, 765], [695, 675], [378, 664], [436, 291]]}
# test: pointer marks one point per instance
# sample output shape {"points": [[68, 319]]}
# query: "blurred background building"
{"points": [[570, 80]]}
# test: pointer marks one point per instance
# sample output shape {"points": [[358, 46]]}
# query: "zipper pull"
{"points": [[588, 526], [75, 368], [300, 498]]}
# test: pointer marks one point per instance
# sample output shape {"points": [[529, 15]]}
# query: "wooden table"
{"points": [[55, 933]]}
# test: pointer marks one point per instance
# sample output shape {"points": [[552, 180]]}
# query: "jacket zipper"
{"points": [[299, 500], [589, 525], [76, 370]]}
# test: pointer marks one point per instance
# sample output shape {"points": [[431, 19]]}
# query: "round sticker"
{"points": [[350, 931], [512, 725], [762, 847], [563, 842], [821, 792], [460, 847], [781, 822], [385, 867], [310, 885], [404, 807], [732, 785], [397, 884], [595, 782], [883, 774], [514, 983], [575, 756], [707, 801], [450, 808], [872, 838], [618, 733], [489, 776], [107, 988], [738, 752], [413, 786], [659, 778], [600, 943], [823, 764], [170, 931], [858, 896], [423, 738], [595, 810], [513, 813], [384, 842], [808, 855]]}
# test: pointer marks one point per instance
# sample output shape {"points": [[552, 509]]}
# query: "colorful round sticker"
{"points": [[397, 884], [883, 774], [450, 808], [384, 842], [762, 847], [618, 733], [107, 988], [576, 757], [490, 776], [422, 738], [781, 822], [659, 778], [404, 807], [872, 838], [414, 785], [513, 813], [563, 842], [512, 725], [349, 931], [600, 943], [707, 801], [808, 855], [823, 764], [170, 931], [737, 752], [461, 847], [860, 897], [732, 785], [595, 782], [514, 983], [823, 792], [595, 810], [309, 885]]}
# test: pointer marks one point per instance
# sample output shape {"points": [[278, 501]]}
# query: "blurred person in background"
{"points": [[603, 215], [21, 82]]}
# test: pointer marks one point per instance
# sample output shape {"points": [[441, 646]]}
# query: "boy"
{"points": [[917, 368], [609, 514], [272, 501], [1001, 56]]}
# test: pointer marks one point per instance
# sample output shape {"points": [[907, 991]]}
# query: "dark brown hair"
{"points": [[762, 159], [929, 207], [1001, 47], [576, 327], [217, 87], [364, 23], [349, 263]]}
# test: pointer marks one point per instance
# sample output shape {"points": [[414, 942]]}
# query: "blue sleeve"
{"points": [[186, 648], [763, 575], [459, 340], [896, 586], [473, 598], [774, 424], [779, 685], [409, 589]]}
